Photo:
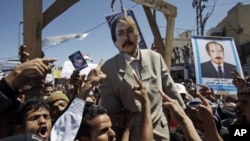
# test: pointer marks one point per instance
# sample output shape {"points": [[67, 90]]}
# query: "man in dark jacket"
{"points": [[216, 67]]}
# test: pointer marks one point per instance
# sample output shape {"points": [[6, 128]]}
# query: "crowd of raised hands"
{"points": [[30, 76]]}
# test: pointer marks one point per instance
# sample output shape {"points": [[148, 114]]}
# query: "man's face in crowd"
{"points": [[126, 36], [48, 90], [101, 129], [38, 122], [216, 53], [57, 108]]}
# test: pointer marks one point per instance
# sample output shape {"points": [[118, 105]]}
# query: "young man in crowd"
{"points": [[12, 84], [58, 102], [35, 118], [96, 125], [48, 89]]}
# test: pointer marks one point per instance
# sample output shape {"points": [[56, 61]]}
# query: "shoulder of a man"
{"points": [[110, 62], [149, 52], [205, 63]]}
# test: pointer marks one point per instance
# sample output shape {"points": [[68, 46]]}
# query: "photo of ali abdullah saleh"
{"points": [[215, 59]]}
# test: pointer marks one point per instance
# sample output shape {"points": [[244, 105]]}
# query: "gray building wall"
{"points": [[237, 25]]}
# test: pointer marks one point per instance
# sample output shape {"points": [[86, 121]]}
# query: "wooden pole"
{"points": [[32, 27], [155, 30], [33, 23], [169, 40], [32, 13]]}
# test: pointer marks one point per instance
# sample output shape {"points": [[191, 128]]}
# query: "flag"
{"points": [[87, 57], [56, 40]]}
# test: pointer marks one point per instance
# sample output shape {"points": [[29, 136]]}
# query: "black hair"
{"points": [[113, 27], [90, 111], [31, 104], [48, 85], [114, 23], [213, 42]]}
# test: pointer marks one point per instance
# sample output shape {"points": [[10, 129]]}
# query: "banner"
{"points": [[56, 40]]}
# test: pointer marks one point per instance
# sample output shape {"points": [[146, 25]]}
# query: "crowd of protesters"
{"points": [[205, 117], [130, 97]]}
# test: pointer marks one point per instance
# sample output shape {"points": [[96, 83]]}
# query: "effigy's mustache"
{"points": [[127, 43], [218, 58]]}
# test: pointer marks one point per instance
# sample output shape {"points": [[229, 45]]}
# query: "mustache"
{"points": [[127, 43], [218, 57]]}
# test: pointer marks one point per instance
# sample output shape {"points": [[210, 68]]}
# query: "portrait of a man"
{"points": [[216, 67], [78, 61]]}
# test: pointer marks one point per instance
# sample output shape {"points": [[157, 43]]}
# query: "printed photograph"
{"points": [[215, 59], [78, 61]]}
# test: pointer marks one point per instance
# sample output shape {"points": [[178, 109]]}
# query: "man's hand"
{"points": [[140, 91], [238, 81], [94, 78], [205, 115], [30, 70], [76, 80], [207, 92], [176, 111], [23, 54], [205, 112]]}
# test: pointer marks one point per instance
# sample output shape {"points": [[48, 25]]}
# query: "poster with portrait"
{"points": [[111, 18], [215, 58], [78, 61]]}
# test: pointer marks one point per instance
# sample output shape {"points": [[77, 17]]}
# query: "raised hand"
{"points": [[94, 78], [205, 115], [33, 69], [204, 110], [140, 91], [76, 80], [238, 81], [142, 95], [176, 111], [207, 92], [23, 54]]}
